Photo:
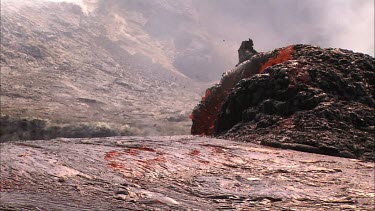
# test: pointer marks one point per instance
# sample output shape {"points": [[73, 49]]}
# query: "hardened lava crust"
{"points": [[298, 97]]}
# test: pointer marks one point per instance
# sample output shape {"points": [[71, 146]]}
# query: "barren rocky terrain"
{"points": [[296, 124], [65, 67], [177, 173]]}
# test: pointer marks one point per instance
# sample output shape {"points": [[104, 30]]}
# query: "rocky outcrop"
{"points": [[246, 51], [205, 113], [307, 98]]}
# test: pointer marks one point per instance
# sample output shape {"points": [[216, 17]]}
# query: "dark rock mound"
{"points": [[315, 100], [205, 114]]}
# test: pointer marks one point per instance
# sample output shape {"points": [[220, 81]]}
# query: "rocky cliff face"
{"points": [[301, 97]]}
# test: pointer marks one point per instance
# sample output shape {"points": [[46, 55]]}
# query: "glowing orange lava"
{"points": [[206, 116], [282, 56]]}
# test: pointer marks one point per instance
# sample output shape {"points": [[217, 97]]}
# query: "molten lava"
{"points": [[282, 56], [205, 118]]}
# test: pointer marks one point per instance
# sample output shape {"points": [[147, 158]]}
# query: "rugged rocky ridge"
{"points": [[306, 98]]}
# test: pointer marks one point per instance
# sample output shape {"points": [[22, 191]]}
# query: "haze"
{"points": [[332, 23], [200, 38]]}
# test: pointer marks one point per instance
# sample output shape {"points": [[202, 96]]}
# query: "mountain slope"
{"points": [[60, 64]]}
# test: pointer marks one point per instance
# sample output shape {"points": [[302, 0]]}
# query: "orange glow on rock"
{"points": [[207, 94], [207, 115], [282, 56]]}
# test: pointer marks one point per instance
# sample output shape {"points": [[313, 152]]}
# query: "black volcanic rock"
{"points": [[315, 100], [246, 51]]}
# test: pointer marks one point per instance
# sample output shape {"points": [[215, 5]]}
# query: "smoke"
{"points": [[333, 23], [200, 38], [213, 29], [355, 23], [87, 6]]}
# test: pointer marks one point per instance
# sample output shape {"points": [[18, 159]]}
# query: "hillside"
{"points": [[64, 66], [132, 67]]}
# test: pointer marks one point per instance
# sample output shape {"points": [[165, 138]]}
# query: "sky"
{"points": [[345, 24], [275, 23], [271, 24]]}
